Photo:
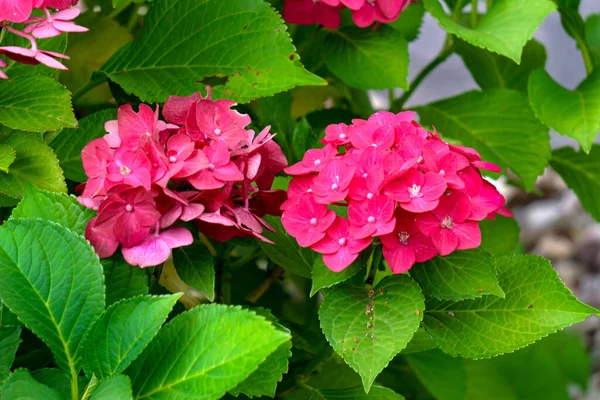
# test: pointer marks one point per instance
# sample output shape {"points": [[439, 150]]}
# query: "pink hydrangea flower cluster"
{"points": [[418, 194], [201, 165], [50, 25], [327, 12]]}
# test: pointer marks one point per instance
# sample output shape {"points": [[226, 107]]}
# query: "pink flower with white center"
{"points": [[338, 247], [156, 248], [54, 24], [126, 215], [362, 137], [15, 10], [446, 165], [136, 129], [337, 135], [406, 245], [299, 186], [219, 169], [131, 168], [308, 221], [485, 198], [313, 161], [308, 12], [417, 192], [448, 227], [369, 175], [332, 183], [410, 148], [95, 157], [374, 217], [217, 121]]}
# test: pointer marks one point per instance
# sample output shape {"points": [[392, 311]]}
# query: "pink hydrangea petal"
{"points": [[152, 251], [488, 166], [327, 16], [400, 258], [49, 61], [427, 223], [456, 205], [340, 260], [420, 205], [44, 30], [177, 237], [354, 4], [327, 245], [228, 172], [15, 10], [205, 180], [469, 235], [445, 240], [66, 26], [104, 245]]}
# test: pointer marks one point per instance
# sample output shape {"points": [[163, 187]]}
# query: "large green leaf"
{"points": [[458, 276], [367, 60], [185, 41], [35, 103], [135, 322], [285, 252], [122, 280], [369, 327], [581, 172], [536, 304], [57, 380], [499, 124], [263, 381], [35, 163], [421, 341], [592, 36], [116, 387], [7, 157], [20, 385], [575, 114], [354, 393], [505, 29], [410, 21], [57, 207], [10, 339], [52, 279], [189, 357], [495, 71], [499, 236], [69, 143], [323, 277], [196, 267]]}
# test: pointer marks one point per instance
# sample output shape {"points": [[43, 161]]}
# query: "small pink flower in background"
{"points": [[421, 196], [200, 165], [54, 24], [308, 12]]}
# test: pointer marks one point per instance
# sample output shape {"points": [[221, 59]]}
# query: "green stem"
{"points": [[391, 96], [585, 52], [118, 10], [457, 9], [79, 93], [444, 54], [488, 5], [321, 358], [74, 384], [474, 13]]}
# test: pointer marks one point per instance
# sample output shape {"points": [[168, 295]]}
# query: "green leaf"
{"points": [[190, 358], [592, 36], [421, 341], [495, 71], [135, 322], [410, 21], [536, 304], [355, 393], [196, 267], [35, 163], [581, 172], [263, 381], [57, 207], [369, 327], [10, 339], [458, 276], [285, 252], [56, 379], [70, 142], [367, 60], [122, 280], [499, 124], [246, 42], [499, 236], [52, 279], [504, 29], [445, 377], [575, 114], [7, 157], [20, 385], [116, 387], [323, 277], [35, 103]]}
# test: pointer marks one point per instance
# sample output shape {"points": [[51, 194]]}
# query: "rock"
{"points": [[554, 247]]}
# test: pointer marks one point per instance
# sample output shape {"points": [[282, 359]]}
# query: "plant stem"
{"points": [[74, 384], [488, 5], [79, 93], [444, 54], [457, 9], [321, 358], [275, 275], [474, 13], [585, 52], [391, 95], [118, 10]]}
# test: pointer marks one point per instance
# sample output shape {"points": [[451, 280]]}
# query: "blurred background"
{"points": [[552, 222]]}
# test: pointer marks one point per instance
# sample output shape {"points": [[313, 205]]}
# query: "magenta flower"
{"points": [[406, 245], [156, 248], [332, 183], [217, 121], [448, 227], [308, 12], [363, 137], [15, 10], [336, 134], [338, 247], [374, 217], [299, 186], [131, 168], [485, 198], [57, 4], [308, 221], [313, 161], [218, 170], [95, 157], [417, 192], [34, 56], [446, 165], [54, 24], [126, 215]]}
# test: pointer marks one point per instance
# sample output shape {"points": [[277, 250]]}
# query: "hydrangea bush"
{"points": [[200, 201]]}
